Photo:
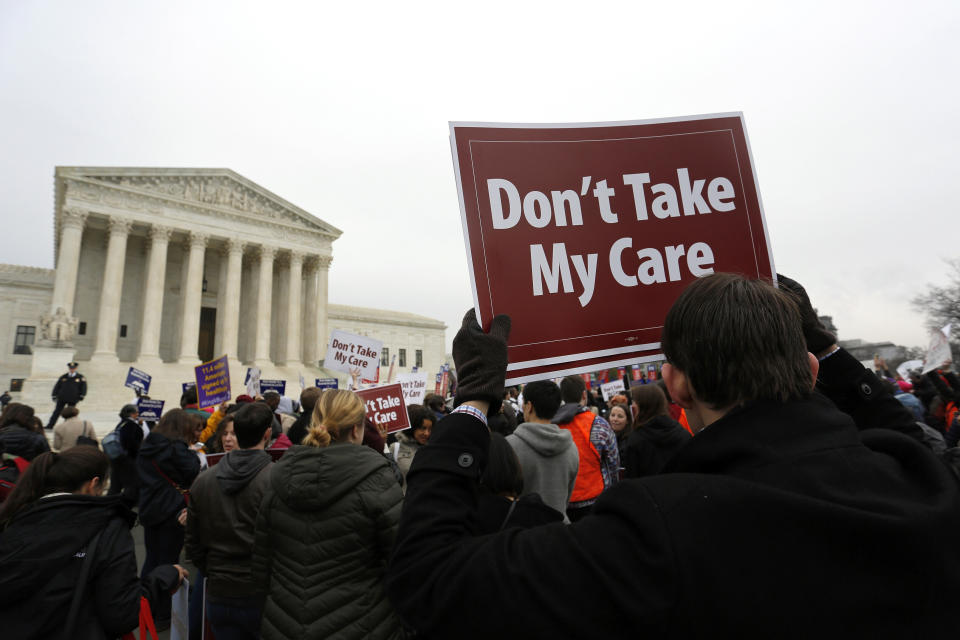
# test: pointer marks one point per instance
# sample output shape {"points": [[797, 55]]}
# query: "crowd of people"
{"points": [[768, 484]]}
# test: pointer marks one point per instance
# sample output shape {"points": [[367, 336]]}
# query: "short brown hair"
{"points": [[69, 412], [178, 424], [737, 340]]}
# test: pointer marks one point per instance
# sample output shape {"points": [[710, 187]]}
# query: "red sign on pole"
{"points": [[563, 221], [385, 407]]}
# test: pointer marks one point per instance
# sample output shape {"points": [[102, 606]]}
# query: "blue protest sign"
{"points": [[328, 383], [213, 382], [187, 385], [150, 409], [280, 386], [137, 379]]}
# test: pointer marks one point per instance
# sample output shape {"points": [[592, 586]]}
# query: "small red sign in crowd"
{"points": [[385, 406]]}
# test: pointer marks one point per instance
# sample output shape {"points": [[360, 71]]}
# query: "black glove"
{"points": [[481, 360], [816, 335]]}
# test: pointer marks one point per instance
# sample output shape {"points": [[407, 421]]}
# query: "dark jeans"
{"points": [[56, 412], [238, 621], [163, 543]]}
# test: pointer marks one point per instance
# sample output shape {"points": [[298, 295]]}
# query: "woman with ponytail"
{"points": [[53, 520], [325, 531]]}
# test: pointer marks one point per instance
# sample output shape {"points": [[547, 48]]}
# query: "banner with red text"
{"points": [[564, 223]]}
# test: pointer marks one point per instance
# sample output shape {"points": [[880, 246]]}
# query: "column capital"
{"points": [[119, 226], [234, 245], [266, 252], [160, 233], [297, 256], [195, 239], [323, 262], [73, 217]]}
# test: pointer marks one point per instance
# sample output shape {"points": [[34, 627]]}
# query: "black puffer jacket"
{"points": [[40, 552], [652, 445], [323, 538], [22, 442], [159, 499]]}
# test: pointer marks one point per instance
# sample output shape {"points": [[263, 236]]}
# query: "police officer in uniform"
{"points": [[70, 389]]}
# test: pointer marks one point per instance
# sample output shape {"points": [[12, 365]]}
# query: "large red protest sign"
{"points": [[585, 234]]}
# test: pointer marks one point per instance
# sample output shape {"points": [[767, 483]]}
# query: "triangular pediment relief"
{"points": [[216, 189]]}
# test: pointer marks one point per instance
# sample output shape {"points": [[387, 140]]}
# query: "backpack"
{"points": [[11, 467], [112, 446]]}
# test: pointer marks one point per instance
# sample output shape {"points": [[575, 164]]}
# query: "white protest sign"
{"points": [[253, 381], [349, 352], [414, 387], [611, 389], [938, 353], [906, 367]]}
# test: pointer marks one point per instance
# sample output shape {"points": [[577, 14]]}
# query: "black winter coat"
{"points": [[778, 520], [159, 499], [41, 553], [323, 538], [18, 441], [70, 389], [652, 445]]}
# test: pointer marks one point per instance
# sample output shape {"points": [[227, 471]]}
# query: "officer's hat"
{"points": [[72, 365]]}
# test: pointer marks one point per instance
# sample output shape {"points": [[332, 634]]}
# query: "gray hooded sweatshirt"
{"points": [[549, 460]]}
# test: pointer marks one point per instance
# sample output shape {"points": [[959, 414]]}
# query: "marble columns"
{"points": [[261, 352], [231, 298], [153, 295], [111, 289], [294, 287], [68, 260], [192, 298]]}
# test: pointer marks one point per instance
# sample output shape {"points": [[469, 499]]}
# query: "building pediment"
{"points": [[220, 193]]}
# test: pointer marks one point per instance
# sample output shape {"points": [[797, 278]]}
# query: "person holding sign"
{"points": [[789, 513], [325, 532]]}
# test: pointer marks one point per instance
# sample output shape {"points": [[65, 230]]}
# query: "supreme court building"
{"points": [[164, 268]]}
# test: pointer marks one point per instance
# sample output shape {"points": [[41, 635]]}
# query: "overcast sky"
{"points": [[343, 110]]}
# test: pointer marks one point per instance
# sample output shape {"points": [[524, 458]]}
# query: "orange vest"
{"points": [[589, 482]]}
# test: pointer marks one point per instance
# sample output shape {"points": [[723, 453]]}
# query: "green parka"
{"points": [[323, 538]]}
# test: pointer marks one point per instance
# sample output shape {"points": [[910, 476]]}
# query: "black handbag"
{"points": [[83, 438]]}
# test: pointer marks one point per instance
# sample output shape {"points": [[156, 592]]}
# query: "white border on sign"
{"points": [[542, 362], [463, 220], [556, 373]]}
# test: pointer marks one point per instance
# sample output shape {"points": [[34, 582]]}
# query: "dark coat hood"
{"points": [[311, 478], [239, 467]]}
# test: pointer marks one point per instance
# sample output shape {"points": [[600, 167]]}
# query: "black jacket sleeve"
{"points": [[56, 387], [447, 581], [859, 393], [117, 588], [184, 465]]}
